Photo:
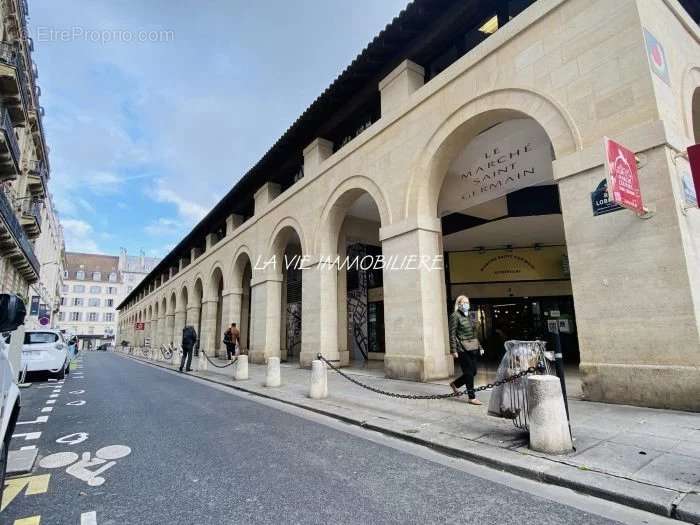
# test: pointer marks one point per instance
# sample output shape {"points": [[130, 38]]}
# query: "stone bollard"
{"points": [[273, 377], [240, 369], [202, 364], [319, 380], [549, 429]]}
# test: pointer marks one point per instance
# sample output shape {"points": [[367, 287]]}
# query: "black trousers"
{"points": [[230, 350], [186, 354], [467, 361]]}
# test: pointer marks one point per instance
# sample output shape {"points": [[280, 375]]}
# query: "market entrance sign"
{"points": [[510, 156], [140, 326], [622, 176]]}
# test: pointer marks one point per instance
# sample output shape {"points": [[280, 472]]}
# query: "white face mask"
{"points": [[464, 307]]}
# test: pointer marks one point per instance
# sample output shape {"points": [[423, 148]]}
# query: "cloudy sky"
{"points": [[155, 108]]}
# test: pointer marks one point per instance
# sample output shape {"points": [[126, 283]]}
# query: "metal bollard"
{"points": [[273, 377], [240, 369], [549, 429], [319, 380]]}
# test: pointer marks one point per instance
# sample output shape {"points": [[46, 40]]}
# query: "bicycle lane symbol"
{"points": [[78, 467]]}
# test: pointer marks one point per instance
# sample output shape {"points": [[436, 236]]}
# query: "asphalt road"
{"points": [[201, 453]]}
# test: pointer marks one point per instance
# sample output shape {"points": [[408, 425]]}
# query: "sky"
{"points": [[155, 108]]}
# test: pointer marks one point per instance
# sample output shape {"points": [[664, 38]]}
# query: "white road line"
{"points": [[40, 419], [53, 396], [28, 447], [88, 518], [28, 436], [50, 401], [47, 409]]}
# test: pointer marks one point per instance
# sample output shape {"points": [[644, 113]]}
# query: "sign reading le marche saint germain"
{"points": [[507, 157]]}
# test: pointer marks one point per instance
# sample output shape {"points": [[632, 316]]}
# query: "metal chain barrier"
{"points": [[216, 365], [514, 377]]}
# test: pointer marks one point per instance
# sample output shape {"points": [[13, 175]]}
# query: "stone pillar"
{"points": [[414, 303], [397, 86], [162, 330], [193, 320], [265, 195], [319, 312], [180, 318], [208, 326], [266, 314], [169, 326], [231, 309], [314, 155]]}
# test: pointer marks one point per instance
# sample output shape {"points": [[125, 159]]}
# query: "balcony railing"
{"points": [[7, 214], [11, 55], [30, 208], [9, 131]]}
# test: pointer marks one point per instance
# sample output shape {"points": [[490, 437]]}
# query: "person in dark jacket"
{"points": [[230, 341], [465, 346], [189, 338]]}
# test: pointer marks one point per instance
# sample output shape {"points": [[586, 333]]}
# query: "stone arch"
{"points": [[281, 234], [433, 159], [240, 258], [691, 101], [172, 303], [197, 291], [217, 272], [336, 208], [183, 296]]}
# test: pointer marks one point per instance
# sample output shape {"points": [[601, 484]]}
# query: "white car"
{"points": [[45, 351], [12, 312]]}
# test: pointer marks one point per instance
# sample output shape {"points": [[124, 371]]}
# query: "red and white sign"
{"points": [[140, 326], [694, 159], [623, 179]]}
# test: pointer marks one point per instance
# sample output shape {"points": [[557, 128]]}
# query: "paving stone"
{"points": [[668, 471], [645, 441], [614, 458], [689, 508], [687, 448]]}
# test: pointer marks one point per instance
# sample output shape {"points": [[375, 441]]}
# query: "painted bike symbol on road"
{"points": [[78, 468], [73, 439]]}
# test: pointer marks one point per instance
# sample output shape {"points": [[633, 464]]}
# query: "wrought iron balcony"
{"points": [[9, 148], [13, 86], [14, 243], [30, 216], [37, 178]]}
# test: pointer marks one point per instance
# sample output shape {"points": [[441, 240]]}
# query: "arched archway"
{"points": [[241, 276], [287, 250], [501, 230], [349, 235], [172, 308], [213, 313]]}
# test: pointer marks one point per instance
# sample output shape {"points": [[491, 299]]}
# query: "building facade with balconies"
{"points": [[24, 165], [462, 152]]}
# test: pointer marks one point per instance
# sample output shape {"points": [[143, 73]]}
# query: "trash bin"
{"points": [[509, 401]]}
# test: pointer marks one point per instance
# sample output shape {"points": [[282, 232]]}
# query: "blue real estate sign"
{"points": [[600, 200]]}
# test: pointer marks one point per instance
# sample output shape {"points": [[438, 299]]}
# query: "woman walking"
{"points": [[465, 346]]}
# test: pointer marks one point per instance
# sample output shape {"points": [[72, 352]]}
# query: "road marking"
{"points": [[28, 447], [50, 401], [76, 403], [32, 520], [58, 460], [78, 468], [28, 436], [53, 396], [47, 409], [56, 390], [77, 392], [13, 487], [39, 419], [71, 440], [88, 518]]}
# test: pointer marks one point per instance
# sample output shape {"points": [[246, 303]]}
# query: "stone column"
{"points": [[208, 326], [162, 330], [231, 309], [180, 318], [266, 315], [193, 320], [414, 303], [155, 331], [169, 325], [319, 312]]}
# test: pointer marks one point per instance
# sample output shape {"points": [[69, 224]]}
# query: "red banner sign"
{"points": [[694, 159], [623, 179], [140, 326]]}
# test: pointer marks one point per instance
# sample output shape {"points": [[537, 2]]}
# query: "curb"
{"points": [[651, 498]]}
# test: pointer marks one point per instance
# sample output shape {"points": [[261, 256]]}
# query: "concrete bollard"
{"points": [[319, 380], [240, 369], [549, 429], [273, 377], [202, 364]]}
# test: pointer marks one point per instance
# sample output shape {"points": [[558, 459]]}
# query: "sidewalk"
{"points": [[641, 457]]}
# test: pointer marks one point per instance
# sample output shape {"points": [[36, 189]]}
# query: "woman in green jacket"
{"points": [[465, 346]]}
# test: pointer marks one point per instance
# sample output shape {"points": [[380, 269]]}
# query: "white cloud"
{"points": [[188, 209], [163, 227], [79, 236]]}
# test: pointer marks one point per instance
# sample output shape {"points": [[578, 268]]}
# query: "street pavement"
{"points": [[127, 442]]}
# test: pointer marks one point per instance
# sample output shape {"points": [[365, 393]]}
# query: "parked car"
{"points": [[12, 312], [45, 351]]}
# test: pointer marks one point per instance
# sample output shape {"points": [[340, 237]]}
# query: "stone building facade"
{"points": [[369, 162], [24, 165]]}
